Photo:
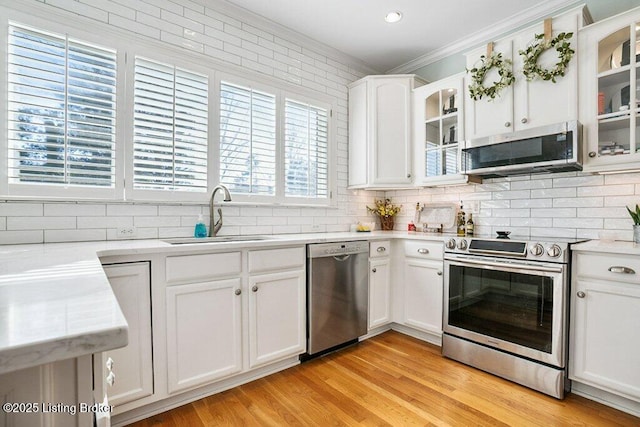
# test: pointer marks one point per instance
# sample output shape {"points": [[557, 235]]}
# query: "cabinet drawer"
{"points": [[616, 267], [423, 249], [191, 268], [276, 259], [379, 249]]}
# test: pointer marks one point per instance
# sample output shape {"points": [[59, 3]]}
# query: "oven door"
{"points": [[514, 306]]}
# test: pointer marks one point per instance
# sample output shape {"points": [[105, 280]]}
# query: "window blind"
{"points": [[247, 140], [170, 128], [306, 133], [61, 110]]}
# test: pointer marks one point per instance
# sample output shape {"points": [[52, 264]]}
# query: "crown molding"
{"points": [[262, 23], [527, 16]]}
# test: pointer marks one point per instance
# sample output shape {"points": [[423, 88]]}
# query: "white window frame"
{"points": [[60, 191]]}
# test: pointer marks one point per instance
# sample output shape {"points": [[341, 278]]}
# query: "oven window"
{"points": [[514, 307]]}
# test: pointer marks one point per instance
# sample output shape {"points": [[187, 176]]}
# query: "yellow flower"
{"points": [[384, 208]]}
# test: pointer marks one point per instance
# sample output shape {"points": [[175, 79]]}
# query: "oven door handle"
{"points": [[518, 267]]}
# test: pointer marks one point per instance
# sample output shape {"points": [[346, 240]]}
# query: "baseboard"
{"points": [[609, 399], [430, 337]]}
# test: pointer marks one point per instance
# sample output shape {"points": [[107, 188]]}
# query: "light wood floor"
{"points": [[388, 380]]}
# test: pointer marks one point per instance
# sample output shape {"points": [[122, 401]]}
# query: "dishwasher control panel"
{"points": [[337, 248]]}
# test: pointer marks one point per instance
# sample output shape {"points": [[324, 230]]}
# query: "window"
{"points": [[61, 110], [170, 128], [247, 140], [306, 143]]}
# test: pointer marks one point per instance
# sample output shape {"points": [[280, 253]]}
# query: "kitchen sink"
{"points": [[217, 239]]}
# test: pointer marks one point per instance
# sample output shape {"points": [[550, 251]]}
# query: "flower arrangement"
{"points": [[385, 210]]}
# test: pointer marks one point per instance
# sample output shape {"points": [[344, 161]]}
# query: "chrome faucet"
{"points": [[214, 227]]}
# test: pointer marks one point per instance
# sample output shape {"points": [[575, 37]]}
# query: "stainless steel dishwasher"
{"points": [[337, 294]]}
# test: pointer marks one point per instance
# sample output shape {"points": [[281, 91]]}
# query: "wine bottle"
{"points": [[470, 225]]}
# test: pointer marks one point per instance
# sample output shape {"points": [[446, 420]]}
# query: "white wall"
{"points": [[224, 33]]}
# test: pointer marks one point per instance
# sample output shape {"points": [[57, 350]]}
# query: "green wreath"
{"points": [[531, 69], [477, 89]]}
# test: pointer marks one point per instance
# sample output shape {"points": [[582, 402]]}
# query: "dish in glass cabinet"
{"points": [[621, 55]]}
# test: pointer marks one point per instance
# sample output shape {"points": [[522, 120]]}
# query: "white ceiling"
{"points": [[428, 27]]}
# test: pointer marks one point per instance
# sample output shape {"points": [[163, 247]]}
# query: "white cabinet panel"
{"points": [[199, 267], [423, 294], [203, 332], [379, 291]]}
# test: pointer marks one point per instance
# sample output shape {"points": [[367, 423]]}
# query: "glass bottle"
{"points": [[470, 225], [461, 223]]}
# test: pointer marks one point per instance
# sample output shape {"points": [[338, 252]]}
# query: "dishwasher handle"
{"points": [[342, 257]]}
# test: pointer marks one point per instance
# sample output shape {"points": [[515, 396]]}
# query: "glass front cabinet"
{"points": [[610, 85], [439, 132]]}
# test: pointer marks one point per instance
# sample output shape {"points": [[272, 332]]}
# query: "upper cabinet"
{"points": [[438, 132], [526, 104], [609, 77], [380, 131]]}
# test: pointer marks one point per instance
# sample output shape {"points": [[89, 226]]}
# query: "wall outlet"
{"points": [[125, 232]]}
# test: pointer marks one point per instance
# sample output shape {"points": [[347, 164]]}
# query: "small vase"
{"points": [[636, 234], [386, 223]]}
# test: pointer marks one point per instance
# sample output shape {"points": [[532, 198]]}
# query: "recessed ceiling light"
{"points": [[392, 17]]}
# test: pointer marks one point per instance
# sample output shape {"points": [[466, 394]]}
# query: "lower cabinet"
{"points": [[203, 332], [605, 336], [379, 283], [276, 316], [423, 294], [130, 367]]}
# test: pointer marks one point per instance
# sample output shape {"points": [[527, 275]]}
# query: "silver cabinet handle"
{"points": [[111, 379], [581, 294], [439, 273], [238, 291], [423, 251], [381, 249], [524, 120], [255, 288], [621, 270], [373, 270], [507, 124], [109, 363], [592, 154]]}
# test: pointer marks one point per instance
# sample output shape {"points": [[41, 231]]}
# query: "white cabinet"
{"points": [[277, 304], [379, 284], [525, 105], [380, 131], [203, 332], [605, 339], [423, 286], [132, 365], [609, 80], [438, 132]]}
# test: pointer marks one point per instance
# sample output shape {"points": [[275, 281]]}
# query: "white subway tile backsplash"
{"points": [[579, 202], [579, 181], [180, 20], [131, 209], [617, 212], [578, 222], [547, 193], [133, 25], [531, 203], [74, 209], [3, 223], [21, 209], [514, 194], [531, 184], [40, 223], [554, 232], [156, 221], [158, 23], [606, 190], [21, 237], [104, 221], [59, 236], [553, 213]]}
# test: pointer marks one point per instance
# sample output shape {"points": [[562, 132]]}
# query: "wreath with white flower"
{"points": [[477, 88], [531, 69]]}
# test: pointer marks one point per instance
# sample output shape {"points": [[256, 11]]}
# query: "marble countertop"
{"points": [[615, 247], [56, 302]]}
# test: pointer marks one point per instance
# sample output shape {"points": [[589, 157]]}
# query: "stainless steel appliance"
{"points": [[552, 148], [506, 302], [337, 294]]}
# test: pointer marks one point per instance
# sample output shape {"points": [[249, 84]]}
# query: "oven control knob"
{"points": [[462, 244], [554, 251], [451, 244], [537, 250]]}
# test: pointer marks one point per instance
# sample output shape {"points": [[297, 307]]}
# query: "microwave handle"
{"points": [[522, 268]]}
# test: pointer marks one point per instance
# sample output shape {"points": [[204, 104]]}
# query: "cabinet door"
{"points": [[532, 106], [605, 338], [486, 116], [423, 294], [277, 319], [379, 292], [390, 130], [133, 364], [358, 153], [203, 332]]}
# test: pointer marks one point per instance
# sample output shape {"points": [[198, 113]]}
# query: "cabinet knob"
{"points": [[381, 249], [408, 175], [581, 294], [374, 270], [592, 154], [109, 363], [439, 273], [255, 288], [524, 120], [423, 251], [111, 379], [238, 291], [507, 124]]}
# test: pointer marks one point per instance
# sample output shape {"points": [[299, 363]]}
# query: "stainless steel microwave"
{"points": [[553, 148]]}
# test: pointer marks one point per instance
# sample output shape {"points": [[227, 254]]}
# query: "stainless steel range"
{"points": [[506, 302]]}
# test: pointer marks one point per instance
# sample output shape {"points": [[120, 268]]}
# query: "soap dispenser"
{"points": [[201, 228]]}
